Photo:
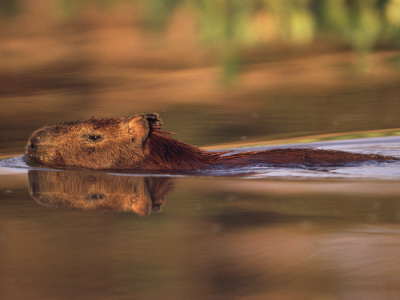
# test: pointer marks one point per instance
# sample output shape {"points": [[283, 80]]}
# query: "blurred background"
{"points": [[217, 71]]}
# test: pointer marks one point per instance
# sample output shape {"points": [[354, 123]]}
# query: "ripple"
{"points": [[14, 162], [366, 170]]}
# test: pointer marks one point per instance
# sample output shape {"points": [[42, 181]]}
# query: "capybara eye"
{"points": [[95, 137], [98, 196]]}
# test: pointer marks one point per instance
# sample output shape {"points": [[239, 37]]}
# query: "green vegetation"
{"points": [[360, 23], [236, 24], [230, 26]]}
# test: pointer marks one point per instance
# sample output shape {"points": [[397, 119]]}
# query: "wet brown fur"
{"points": [[139, 144], [172, 153]]}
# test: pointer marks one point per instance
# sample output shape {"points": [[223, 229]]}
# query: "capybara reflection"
{"points": [[138, 143], [98, 191]]}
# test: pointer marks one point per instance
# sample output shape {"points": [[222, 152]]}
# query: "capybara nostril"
{"points": [[32, 145]]}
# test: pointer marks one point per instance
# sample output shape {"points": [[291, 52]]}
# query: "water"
{"points": [[389, 146], [260, 233], [257, 232]]}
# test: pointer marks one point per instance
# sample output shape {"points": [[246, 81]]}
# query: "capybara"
{"points": [[138, 143]]}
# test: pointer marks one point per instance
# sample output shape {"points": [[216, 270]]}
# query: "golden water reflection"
{"points": [[234, 201], [218, 238], [98, 191]]}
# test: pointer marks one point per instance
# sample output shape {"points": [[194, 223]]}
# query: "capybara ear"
{"points": [[138, 128], [154, 121]]}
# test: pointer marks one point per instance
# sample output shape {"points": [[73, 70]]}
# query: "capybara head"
{"points": [[94, 143]]}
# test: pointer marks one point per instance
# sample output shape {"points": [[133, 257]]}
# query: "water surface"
{"points": [[257, 232], [264, 233]]}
